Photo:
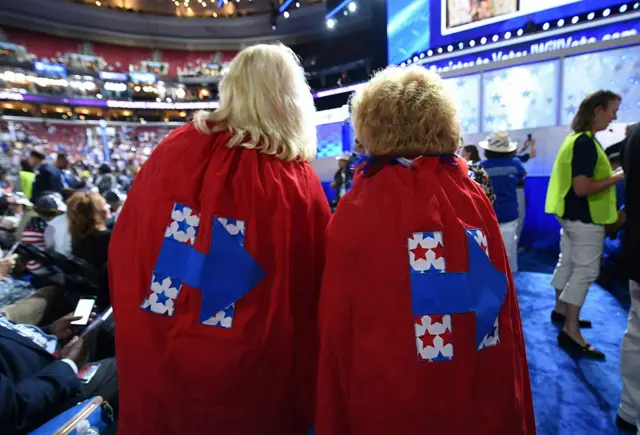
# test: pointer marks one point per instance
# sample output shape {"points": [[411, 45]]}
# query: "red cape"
{"points": [[405, 244], [215, 269]]}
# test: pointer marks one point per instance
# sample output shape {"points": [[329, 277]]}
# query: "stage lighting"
{"points": [[286, 14], [519, 32], [483, 40], [461, 45], [591, 16], [545, 26], [421, 55], [408, 61], [574, 20], [297, 4], [439, 49], [623, 8], [495, 38], [430, 53], [472, 43], [507, 35], [274, 27], [415, 58], [352, 7], [560, 23], [331, 23], [606, 12], [636, 5], [450, 48]]}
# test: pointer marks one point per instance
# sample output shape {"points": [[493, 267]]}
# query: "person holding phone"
{"points": [[582, 195], [39, 373]]}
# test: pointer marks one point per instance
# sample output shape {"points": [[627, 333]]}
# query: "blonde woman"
{"points": [[418, 312], [216, 260]]}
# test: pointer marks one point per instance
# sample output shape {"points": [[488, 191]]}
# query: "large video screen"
{"points": [[415, 26]]}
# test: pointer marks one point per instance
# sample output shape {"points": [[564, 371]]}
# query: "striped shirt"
{"points": [[34, 235]]}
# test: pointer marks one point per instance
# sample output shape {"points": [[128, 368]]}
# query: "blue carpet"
{"points": [[571, 396]]}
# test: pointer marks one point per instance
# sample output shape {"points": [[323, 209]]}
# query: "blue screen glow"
{"points": [[415, 26]]}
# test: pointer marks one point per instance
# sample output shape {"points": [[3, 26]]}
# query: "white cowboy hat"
{"points": [[499, 142], [345, 158]]}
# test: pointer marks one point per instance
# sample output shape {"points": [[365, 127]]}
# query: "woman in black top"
{"points": [[88, 214]]}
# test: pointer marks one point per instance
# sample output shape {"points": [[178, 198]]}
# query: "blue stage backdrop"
{"points": [[414, 26]]}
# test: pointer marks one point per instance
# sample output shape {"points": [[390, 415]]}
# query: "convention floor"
{"points": [[571, 396]]}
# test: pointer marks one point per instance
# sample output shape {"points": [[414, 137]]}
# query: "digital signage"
{"points": [[415, 26]]}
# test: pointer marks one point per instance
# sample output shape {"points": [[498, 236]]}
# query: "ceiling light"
{"points": [[352, 7], [297, 4], [606, 12], [519, 32], [483, 40], [575, 20], [98, 3], [591, 16], [331, 23], [286, 14], [560, 23], [545, 26], [472, 43], [507, 35], [430, 53], [623, 8]]}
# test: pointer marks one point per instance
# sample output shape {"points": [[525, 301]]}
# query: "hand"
{"points": [[7, 264], [63, 329], [75, 350]]}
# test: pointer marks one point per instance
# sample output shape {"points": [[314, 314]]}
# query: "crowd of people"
{"points": [[242, 305]]}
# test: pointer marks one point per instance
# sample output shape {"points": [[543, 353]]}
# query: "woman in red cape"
{"points": [[216, 263], [419, 324]]}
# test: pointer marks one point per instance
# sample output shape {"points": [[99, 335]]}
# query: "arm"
{"points": [[585, 186], [27, 403]]}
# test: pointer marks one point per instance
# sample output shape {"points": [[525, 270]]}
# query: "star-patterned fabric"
{"points": [[164, 290], [434, 337], [224, 318], [184, 224], [493, 338], [426, 252]]}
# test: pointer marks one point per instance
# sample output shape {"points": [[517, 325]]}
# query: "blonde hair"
{"points": [[405, 112], [266, 103]]}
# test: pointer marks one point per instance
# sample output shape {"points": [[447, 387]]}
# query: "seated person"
{"points": [[418, 310], [88, 213], [11, 290], [47, 207], [115, 199], [38, 377]]}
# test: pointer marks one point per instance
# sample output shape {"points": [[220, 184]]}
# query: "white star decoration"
{"points": [[223, 318], [183, 217], [491, 339], [170, 292], [426, 326]]}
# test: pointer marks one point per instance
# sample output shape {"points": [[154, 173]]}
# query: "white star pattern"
{"points": [[184, 224], [164, 292], [481, 238], [433, 338], [233, 226], [489, 339], [222, 319], [433, 259]]}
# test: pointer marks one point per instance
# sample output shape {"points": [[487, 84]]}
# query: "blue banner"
{"points": [[114, 76], [53, 69], [142, 77], [541, 45]]}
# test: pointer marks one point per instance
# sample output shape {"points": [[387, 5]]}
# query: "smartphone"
{"points": [[84, 310], [12, 250]]}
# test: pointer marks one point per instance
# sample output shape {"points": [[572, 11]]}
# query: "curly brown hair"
{"points": [[86, 213]]}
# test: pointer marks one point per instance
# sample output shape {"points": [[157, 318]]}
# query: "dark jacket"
{"points": [[631, 239], [33, 384], [48, 178]]}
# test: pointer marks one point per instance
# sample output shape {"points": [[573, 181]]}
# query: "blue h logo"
{"points": [[224, 275]]}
